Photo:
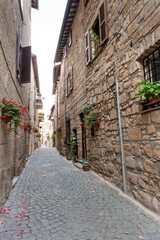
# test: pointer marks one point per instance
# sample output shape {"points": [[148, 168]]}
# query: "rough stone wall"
{"points": [[137, 24], [13, 150]]}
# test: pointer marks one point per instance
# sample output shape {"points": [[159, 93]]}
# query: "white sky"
{"points": [[46, 25]]}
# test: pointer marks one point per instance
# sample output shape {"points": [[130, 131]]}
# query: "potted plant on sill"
{"points": [[150, 93]]}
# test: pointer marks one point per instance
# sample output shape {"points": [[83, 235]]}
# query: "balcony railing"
{"points": [[39, 103]]}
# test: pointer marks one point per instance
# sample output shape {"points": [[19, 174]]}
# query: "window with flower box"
{"points": [[151, 66]]}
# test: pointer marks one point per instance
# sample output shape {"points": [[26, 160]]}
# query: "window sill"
{"points": [[97, 54], [150, 109], [153, 105]]}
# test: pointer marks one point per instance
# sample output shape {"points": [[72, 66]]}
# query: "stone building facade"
{"points": [[35, 105], [15, 63], [125, 148]]}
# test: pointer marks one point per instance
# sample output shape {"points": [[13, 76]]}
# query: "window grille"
{"points": [[151, 66]]}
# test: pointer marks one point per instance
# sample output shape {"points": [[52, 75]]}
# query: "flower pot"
{"points": [[153, 102], [86, 167]]}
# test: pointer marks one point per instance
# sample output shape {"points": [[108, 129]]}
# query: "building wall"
{"points": [[137, 25], [33, 140], [13, 150]]}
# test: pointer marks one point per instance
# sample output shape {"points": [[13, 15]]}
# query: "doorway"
{"points": [[84, 146]]}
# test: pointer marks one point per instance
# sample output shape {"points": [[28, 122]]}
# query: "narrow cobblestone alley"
{"points": [[55, 200]]}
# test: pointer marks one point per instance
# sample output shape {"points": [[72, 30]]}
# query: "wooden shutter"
{"points": [[85, 2], [26, 65], [68, 131], [71, 78], [70, 39], [87, 48], [18, 53], [35, 4], [65, 52], [69, 82], [103, 23], [62, 92]]}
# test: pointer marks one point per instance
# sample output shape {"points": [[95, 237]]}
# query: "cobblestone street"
{"points": [[55, 200]]}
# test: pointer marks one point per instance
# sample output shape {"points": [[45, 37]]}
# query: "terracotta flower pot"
{"points": [[86, 167], [154, 101]]}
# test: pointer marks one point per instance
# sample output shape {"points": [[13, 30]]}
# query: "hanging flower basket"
{"points": [[7, 119], [14, 116]]}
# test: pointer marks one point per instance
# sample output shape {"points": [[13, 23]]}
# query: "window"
{"points": [[69, 82], [87, 48], [35, 4], [65, 52], [103, 24], [151, 66], [68, 131], [69, 41], [21, 7], [62, 93], [23, 60], [97, 35], [85, 2], [18, 53]]}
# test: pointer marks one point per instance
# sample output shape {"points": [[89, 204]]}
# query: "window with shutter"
{"points": [[69, 81], [25, 76], [18, 53], [96, 37], [87, 48], [21, 8], [70, 39], [103, 23], [62, 93], [68, 131], [23, 60], [35, 4], [85, 2], [71, 78], [65, 52]]}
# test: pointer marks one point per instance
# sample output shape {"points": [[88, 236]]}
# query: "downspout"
{"points": [[57, 118], [120, 123]]}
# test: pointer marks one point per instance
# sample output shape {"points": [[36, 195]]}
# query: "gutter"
{"points": [[117, 35]]}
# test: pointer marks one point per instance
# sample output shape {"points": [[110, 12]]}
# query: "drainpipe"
{"points": [[120, 124], [57, 119]]}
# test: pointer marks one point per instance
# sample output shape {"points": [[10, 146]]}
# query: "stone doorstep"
{"points": [[14, 181], [78, 165]]}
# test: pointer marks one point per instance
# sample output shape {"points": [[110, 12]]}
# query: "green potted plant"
{"points": [[85, 165], [74, 147], [91, 119], [149, 91]]}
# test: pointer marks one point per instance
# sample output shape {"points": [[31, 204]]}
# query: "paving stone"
{"points": [[53, 199]]}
